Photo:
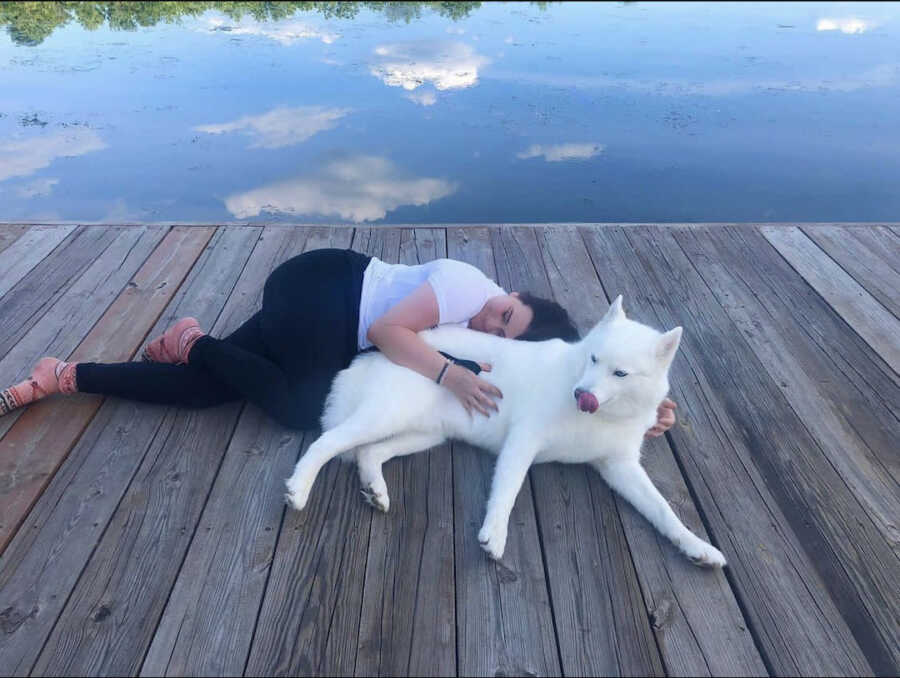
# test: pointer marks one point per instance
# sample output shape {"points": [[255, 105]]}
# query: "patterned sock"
{"points": [[49, 376]]}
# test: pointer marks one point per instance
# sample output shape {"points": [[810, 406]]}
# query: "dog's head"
{"points": [[626, 365]]}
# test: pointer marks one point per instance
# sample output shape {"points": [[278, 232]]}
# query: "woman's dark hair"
{"points": [[551, 321]]}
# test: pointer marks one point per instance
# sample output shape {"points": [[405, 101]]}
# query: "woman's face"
{"points": [[505, 316]]}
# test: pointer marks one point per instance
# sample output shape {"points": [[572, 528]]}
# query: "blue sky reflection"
{"points": [[575, 112]]}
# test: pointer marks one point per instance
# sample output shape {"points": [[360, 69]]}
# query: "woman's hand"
{"points": [[665, 417], [471, 390]]}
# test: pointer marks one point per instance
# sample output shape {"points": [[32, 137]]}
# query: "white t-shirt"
{"points": [[460, 288]]}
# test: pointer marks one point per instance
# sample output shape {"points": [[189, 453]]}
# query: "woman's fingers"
{"points": [[478, 406], [485, 366], [489, 388]]}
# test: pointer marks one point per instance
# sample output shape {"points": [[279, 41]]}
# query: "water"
{"points": [[625, 112]]}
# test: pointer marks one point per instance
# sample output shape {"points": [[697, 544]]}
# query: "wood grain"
{"points": [[505, 622], [693, 613], [309, 621], [726, 420], [408, 621], [37, 440], [20, 255], [209, 620], [871, 256], [39, 289], [9, 233], [856, 306]]}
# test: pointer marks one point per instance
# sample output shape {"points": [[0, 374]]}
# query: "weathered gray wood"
{"points": [[9, 233], [862, 312], [407, 624], [42, 434], [864, 255], [29, 298], [58, 333], [43, 562], [505, 622], [208, 622], [614, 636], [134, 564], [310, 617], [62, 563], [836, 414], [17, 258], [697, 622], [734, 437], [65, 324], [830, 376]]}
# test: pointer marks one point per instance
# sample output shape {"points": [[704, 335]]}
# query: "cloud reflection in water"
{"points": [[446, 65], [560, 152], [360, 188], [282, 126], [21, 158], [283, 32], [849, 24]]}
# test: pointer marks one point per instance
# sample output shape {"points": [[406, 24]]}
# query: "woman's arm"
{"points": [[395, 335]]}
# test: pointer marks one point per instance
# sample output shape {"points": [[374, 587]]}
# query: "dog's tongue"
{"points": [[587, 402]]}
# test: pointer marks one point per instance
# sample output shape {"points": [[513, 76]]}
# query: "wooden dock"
{"points": [[141, 539]]}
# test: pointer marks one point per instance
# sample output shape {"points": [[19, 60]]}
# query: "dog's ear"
{"points": [[667, 345], [615, 311]]}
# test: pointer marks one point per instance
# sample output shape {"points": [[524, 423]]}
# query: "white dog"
{"points": [[590, 401]]}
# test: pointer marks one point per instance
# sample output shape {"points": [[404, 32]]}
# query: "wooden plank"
{"points": [[44, 560], [310, 617], [408, 623], [38, 440], [862, 312], [24, 304], [132, 570], [865, 256], [20, 256], [836, 413], [614, 632], [208, 622], [9, 233], [732, 421], [65, 324], [830, 376], [505, 623], [694, 615]]}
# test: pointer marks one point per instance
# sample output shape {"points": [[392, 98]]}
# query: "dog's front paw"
{"points": [[704, 555], [297, 491], [492, 538], [377, 496]]}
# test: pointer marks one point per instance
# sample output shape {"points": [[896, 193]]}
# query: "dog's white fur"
{"points": [[377, 410]]}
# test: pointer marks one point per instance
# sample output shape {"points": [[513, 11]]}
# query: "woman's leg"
{"points": [[303, 336], [180, 385]]}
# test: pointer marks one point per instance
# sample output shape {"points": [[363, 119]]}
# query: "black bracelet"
{"points": [[470, 365], [443, 369]]}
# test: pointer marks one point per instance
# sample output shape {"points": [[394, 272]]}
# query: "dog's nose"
{"points": [[578, 392]]}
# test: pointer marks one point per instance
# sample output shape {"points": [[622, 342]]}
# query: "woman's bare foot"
{"points": [[175, 345]]}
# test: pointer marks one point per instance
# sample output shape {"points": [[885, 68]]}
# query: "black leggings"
{"points": [[283, 359]]}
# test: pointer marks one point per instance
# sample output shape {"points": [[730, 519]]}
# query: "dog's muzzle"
{"points": [[587, 401]]}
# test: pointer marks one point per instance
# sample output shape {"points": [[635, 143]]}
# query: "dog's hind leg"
{"points": [[370, 459], [353, 432]]}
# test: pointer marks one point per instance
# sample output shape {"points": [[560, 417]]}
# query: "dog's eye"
{"points": [[620, 373], [593, 359]]}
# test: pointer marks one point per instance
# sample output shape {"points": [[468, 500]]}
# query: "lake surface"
{"points": [[564, 112]]}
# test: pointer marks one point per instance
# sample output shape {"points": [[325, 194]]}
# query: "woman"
{"points": [[319, 310]]}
